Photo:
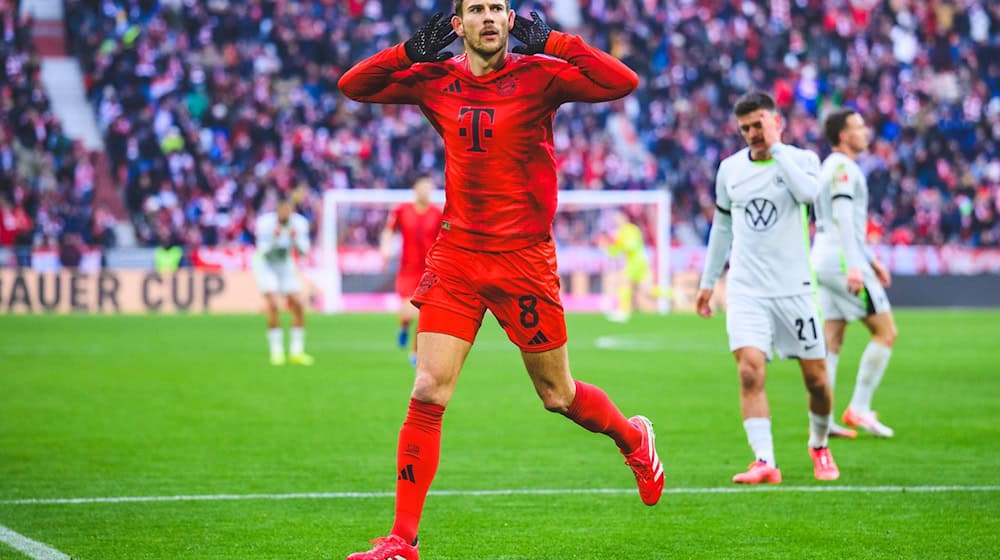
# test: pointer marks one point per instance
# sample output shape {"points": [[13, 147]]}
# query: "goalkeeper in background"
{"points": [[277, 234], [635, 282]]}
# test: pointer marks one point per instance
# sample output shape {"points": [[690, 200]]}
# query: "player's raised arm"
{"points": [[301, 235], [594, 76], [800, 169], [264, 234], [384, 76]]}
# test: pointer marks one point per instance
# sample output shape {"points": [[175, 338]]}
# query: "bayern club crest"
{"points": [[507, 85]]}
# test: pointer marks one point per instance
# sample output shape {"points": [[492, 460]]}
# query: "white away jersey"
{"points": [[770, 248], [277, 249], [840, 177]]}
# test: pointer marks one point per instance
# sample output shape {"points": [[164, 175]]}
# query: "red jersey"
{"points": [[419, 230], [500, 170]]}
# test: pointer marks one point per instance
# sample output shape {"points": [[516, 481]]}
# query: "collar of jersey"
{"points": [[463, 64], [755, 162]]}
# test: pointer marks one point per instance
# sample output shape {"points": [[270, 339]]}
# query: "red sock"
{"points": [[593, 410], [417, 461]]}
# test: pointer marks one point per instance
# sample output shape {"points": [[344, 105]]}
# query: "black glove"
{"points": [[532, 32], [435, 35]]}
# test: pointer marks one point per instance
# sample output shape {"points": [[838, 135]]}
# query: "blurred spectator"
{"points": [[15, 225], [168, 254], [71, 250]]}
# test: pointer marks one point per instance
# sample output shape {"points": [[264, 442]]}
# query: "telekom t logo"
{"points": [[480, 118]]}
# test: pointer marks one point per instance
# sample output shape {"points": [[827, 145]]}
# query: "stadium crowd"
{"points": [[207, 107], [46, 179]]}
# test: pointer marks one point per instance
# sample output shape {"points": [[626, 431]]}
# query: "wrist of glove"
{"points": [[426, 42], [534, 33]]}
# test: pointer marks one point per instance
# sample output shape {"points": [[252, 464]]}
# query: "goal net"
{"points": [[354, 277]]}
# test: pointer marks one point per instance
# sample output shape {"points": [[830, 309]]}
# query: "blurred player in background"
{"points": [[635, 283], [418, 223], [760, 193], [851, 280], [278, 233], [494, 111]]}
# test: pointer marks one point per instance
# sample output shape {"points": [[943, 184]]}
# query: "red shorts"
{"points": [[407, 282], [520, 288]]}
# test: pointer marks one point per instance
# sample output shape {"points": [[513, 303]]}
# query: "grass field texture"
{"points": [[104, 407]]}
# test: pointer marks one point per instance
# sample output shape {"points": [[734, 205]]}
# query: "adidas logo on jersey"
{"points": [[539, 338], [455, 87]]}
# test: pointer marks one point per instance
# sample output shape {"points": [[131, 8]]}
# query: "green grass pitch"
{"points": [[189, 406]]}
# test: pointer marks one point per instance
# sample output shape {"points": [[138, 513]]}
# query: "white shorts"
{"points": [[838, 303], [276, 278], [789, 325]]}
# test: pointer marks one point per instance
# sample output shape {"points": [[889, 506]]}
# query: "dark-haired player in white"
{"points": [[761, 197]]}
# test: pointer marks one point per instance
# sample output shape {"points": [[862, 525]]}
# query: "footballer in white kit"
{"points": [[278, 235], [851, 280], [761, 197]]}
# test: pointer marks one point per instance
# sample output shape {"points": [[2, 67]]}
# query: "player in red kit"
{"points": [[494, 110], [418, 223]]}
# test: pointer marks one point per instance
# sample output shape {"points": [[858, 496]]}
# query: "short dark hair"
{"points": [[835, 123], [458, 5], [753, 101]]}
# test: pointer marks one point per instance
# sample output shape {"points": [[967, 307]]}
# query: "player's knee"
{"points": [[834, 342], [751, 378], [887, 336], [816, 383], [431, 388]]}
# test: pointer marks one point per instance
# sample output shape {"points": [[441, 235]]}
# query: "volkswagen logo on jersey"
{"points": [[761, 214]]}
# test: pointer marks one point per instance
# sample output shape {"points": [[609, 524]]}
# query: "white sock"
{"points": [[831, 369], [873, 363], [276, 339], [297, 341], [819, 429], [759, 436]]}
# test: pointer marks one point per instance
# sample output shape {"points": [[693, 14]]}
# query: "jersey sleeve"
{"points": [[592, 75], [841, 184], [800, 169], [392, 224], [301, 241], [721, 236], [264, 232], [722, 200], [385, 77]]}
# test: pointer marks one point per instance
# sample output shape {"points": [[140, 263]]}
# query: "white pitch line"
{"points": [[503, 492], [33, 548]]}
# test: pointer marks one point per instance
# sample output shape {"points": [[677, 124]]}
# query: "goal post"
{"points": [[352, 276]]}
